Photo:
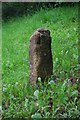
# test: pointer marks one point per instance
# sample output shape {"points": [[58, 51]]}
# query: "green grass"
{"points": [[18, 97]]}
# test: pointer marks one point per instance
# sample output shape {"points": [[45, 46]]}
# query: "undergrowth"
{"points": [[19, 98]]}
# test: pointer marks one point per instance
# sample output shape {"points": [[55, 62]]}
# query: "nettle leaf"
{"points": [[74, 93], [36, 93]]}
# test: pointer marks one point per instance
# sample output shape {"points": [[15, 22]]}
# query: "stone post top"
{"points": [[43, 31]]}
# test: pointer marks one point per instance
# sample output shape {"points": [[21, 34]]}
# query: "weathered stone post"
{"points": [[40, 55]]}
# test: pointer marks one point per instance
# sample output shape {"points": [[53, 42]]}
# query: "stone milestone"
{"points": [[41, 64]]}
